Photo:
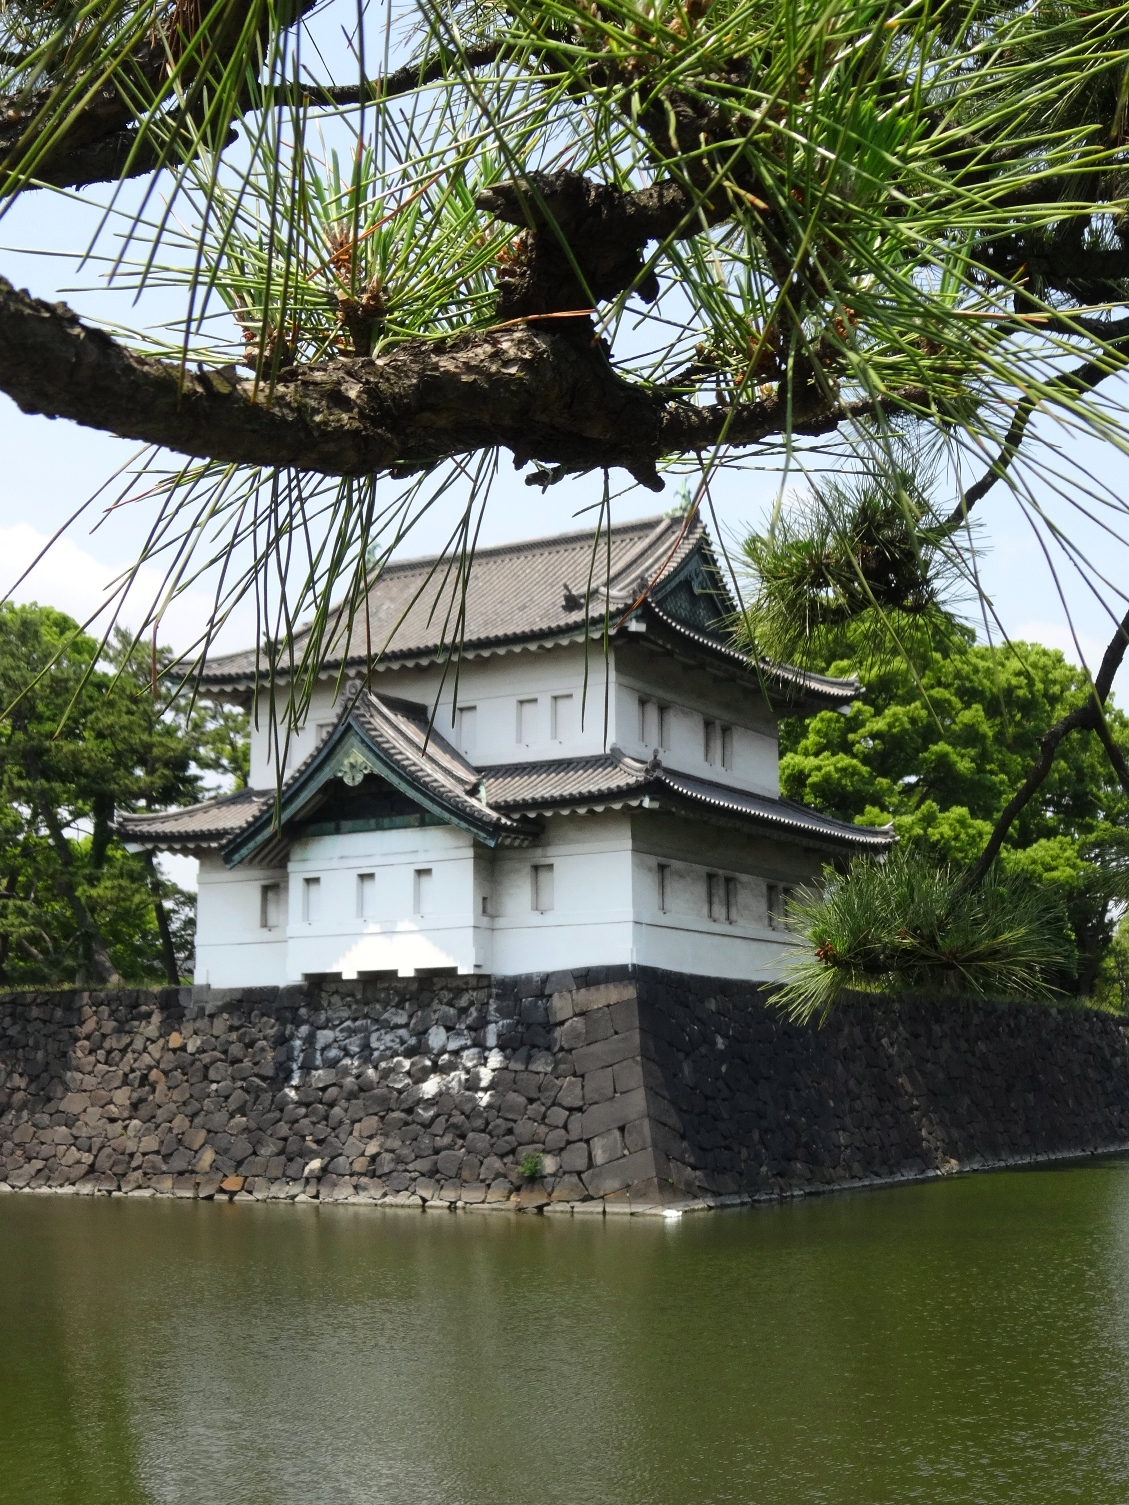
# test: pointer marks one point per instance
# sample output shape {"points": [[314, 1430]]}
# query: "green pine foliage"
{"points": [[908, 923]]}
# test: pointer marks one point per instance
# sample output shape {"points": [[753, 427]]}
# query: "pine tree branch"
{"points": [[1084, 378], [1087, 717], [429, 70], [95, 142], [544, 395]]}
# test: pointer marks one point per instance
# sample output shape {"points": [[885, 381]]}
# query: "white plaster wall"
{"points": [[747, 947], [394, 937], [232, 948], [493, 686], [297, 744], [591, 920], [693, 695], [481, 915]]}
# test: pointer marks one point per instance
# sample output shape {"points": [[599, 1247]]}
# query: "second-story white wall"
{"points": [[539, 703], [528, 705], [703, 723]]}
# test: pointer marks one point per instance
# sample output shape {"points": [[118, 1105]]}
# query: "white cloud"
{"points": [[1059, 635], [73, 580]]}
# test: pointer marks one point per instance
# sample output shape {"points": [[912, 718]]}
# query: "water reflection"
{"points": [[946, 1343]]}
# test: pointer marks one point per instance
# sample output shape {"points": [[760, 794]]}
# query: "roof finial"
{"points": [[655, 765], [572, 601]]}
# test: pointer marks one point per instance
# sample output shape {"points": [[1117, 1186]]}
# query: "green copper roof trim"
{"points": [[345, 753]]}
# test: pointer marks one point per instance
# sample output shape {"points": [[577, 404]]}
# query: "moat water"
{"points": [[964, 1341]]}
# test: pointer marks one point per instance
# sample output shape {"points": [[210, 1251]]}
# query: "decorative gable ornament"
{"points": [[353, 767]]}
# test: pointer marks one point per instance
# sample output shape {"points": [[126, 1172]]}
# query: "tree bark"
{"points": [[101, 965], [95, 139], [542, 394]]}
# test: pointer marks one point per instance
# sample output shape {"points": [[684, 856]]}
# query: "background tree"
{"points": [[938, 746], [85, 741]]}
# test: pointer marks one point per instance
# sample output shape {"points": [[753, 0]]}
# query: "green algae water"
{"points": [[965, 1341]]}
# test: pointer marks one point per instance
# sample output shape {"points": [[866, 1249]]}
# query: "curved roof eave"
{"points": [[324, 764]]}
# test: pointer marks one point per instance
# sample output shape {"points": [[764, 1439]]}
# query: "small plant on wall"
{"points": [[533, 1165]]}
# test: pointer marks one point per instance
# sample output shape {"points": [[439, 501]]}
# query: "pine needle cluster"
{"points": [[905, 923]]}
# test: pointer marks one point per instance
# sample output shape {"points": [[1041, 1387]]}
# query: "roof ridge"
{"points": [[615, 757], [647, 545], [519, 545]]}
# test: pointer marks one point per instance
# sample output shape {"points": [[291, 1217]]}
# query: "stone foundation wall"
{"points": [[591, 1090]]}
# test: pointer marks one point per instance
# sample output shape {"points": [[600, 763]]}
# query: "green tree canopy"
{"points": [[89, 739], [939, 746]]}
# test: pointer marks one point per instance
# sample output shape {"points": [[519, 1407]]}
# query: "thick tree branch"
{"points": [[118, 155], [543, 394], [96, 141], [536, 392], [584, 241]]}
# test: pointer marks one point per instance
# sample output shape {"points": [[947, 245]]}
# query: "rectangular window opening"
{"points": [[466, 727], [654, 724], [270, 906], [526, 721], [727, 747], [421, 891], [664, 887], [542, 886], [366, 896], [311, 900], [485, 904], [715, 896], [561, 718], [709, 741], [731, 900], [777, 898]]}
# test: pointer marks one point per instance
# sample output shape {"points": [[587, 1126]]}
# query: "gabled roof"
{"points": [[543, 589], [498, 805], [387, 737]]}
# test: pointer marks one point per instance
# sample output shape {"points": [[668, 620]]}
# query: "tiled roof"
{"points": [[513, 593], [803, 682], [209, 824], [533, 590], [494, 803], [571, 783], [522, 786], [781, 814], [391, 735]]}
